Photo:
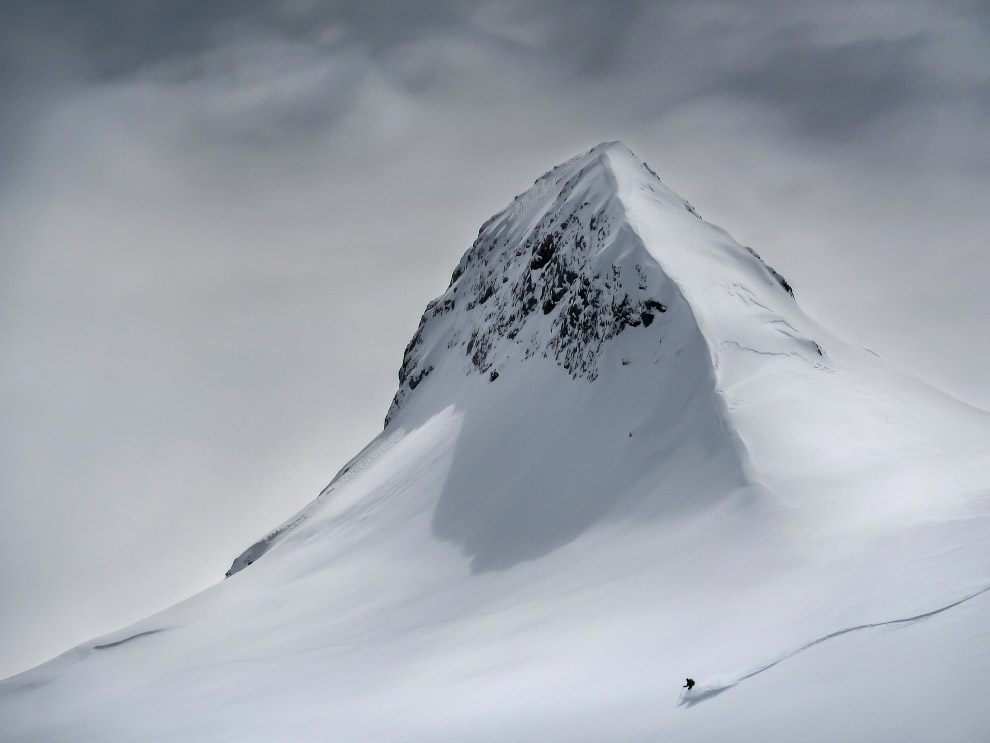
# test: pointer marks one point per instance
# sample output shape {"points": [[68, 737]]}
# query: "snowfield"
{"points": [[620, 454]]}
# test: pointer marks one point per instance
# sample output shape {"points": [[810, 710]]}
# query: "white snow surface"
{"points": [[660, 468]]}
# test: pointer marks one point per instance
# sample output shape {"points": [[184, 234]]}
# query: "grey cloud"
{"points": [[832, 91], [117, 38], [777, 56]]}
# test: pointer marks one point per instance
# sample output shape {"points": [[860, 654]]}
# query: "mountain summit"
{"points": [[582, 256], [620, 454]]}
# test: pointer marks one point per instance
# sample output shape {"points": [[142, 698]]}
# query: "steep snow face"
{"points": [[564, 269], [620, 454], [618, 354]]}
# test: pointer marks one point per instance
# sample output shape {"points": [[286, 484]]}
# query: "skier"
{"points": [[689, 685]]}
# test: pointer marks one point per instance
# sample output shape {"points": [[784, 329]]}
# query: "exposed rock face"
{"points": [[780, 279], [552, 288]]}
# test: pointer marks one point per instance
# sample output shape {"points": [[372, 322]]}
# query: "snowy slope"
{"points": [[620, 454]]}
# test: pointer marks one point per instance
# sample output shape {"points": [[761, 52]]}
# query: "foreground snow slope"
{"points": [[620, 454]]}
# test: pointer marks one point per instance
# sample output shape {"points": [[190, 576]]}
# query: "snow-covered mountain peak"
{"points": [[602, 171], [616, 459], [598, 246]]}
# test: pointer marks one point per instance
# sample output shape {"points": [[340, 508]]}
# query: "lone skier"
{"points": [[689, 685]]}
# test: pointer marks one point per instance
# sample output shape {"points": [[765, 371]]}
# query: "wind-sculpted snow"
{"points": [[620, 454]]}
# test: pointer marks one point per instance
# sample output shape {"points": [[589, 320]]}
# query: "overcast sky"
{"points": [[220, 222]]}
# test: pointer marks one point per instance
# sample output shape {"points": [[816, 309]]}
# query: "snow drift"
{"points": [[619, 454]]}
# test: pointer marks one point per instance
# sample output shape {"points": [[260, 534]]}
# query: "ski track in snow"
{"points": [[689, 699]]}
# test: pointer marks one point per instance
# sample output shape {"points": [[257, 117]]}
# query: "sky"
{"points": [[220, 223]]}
